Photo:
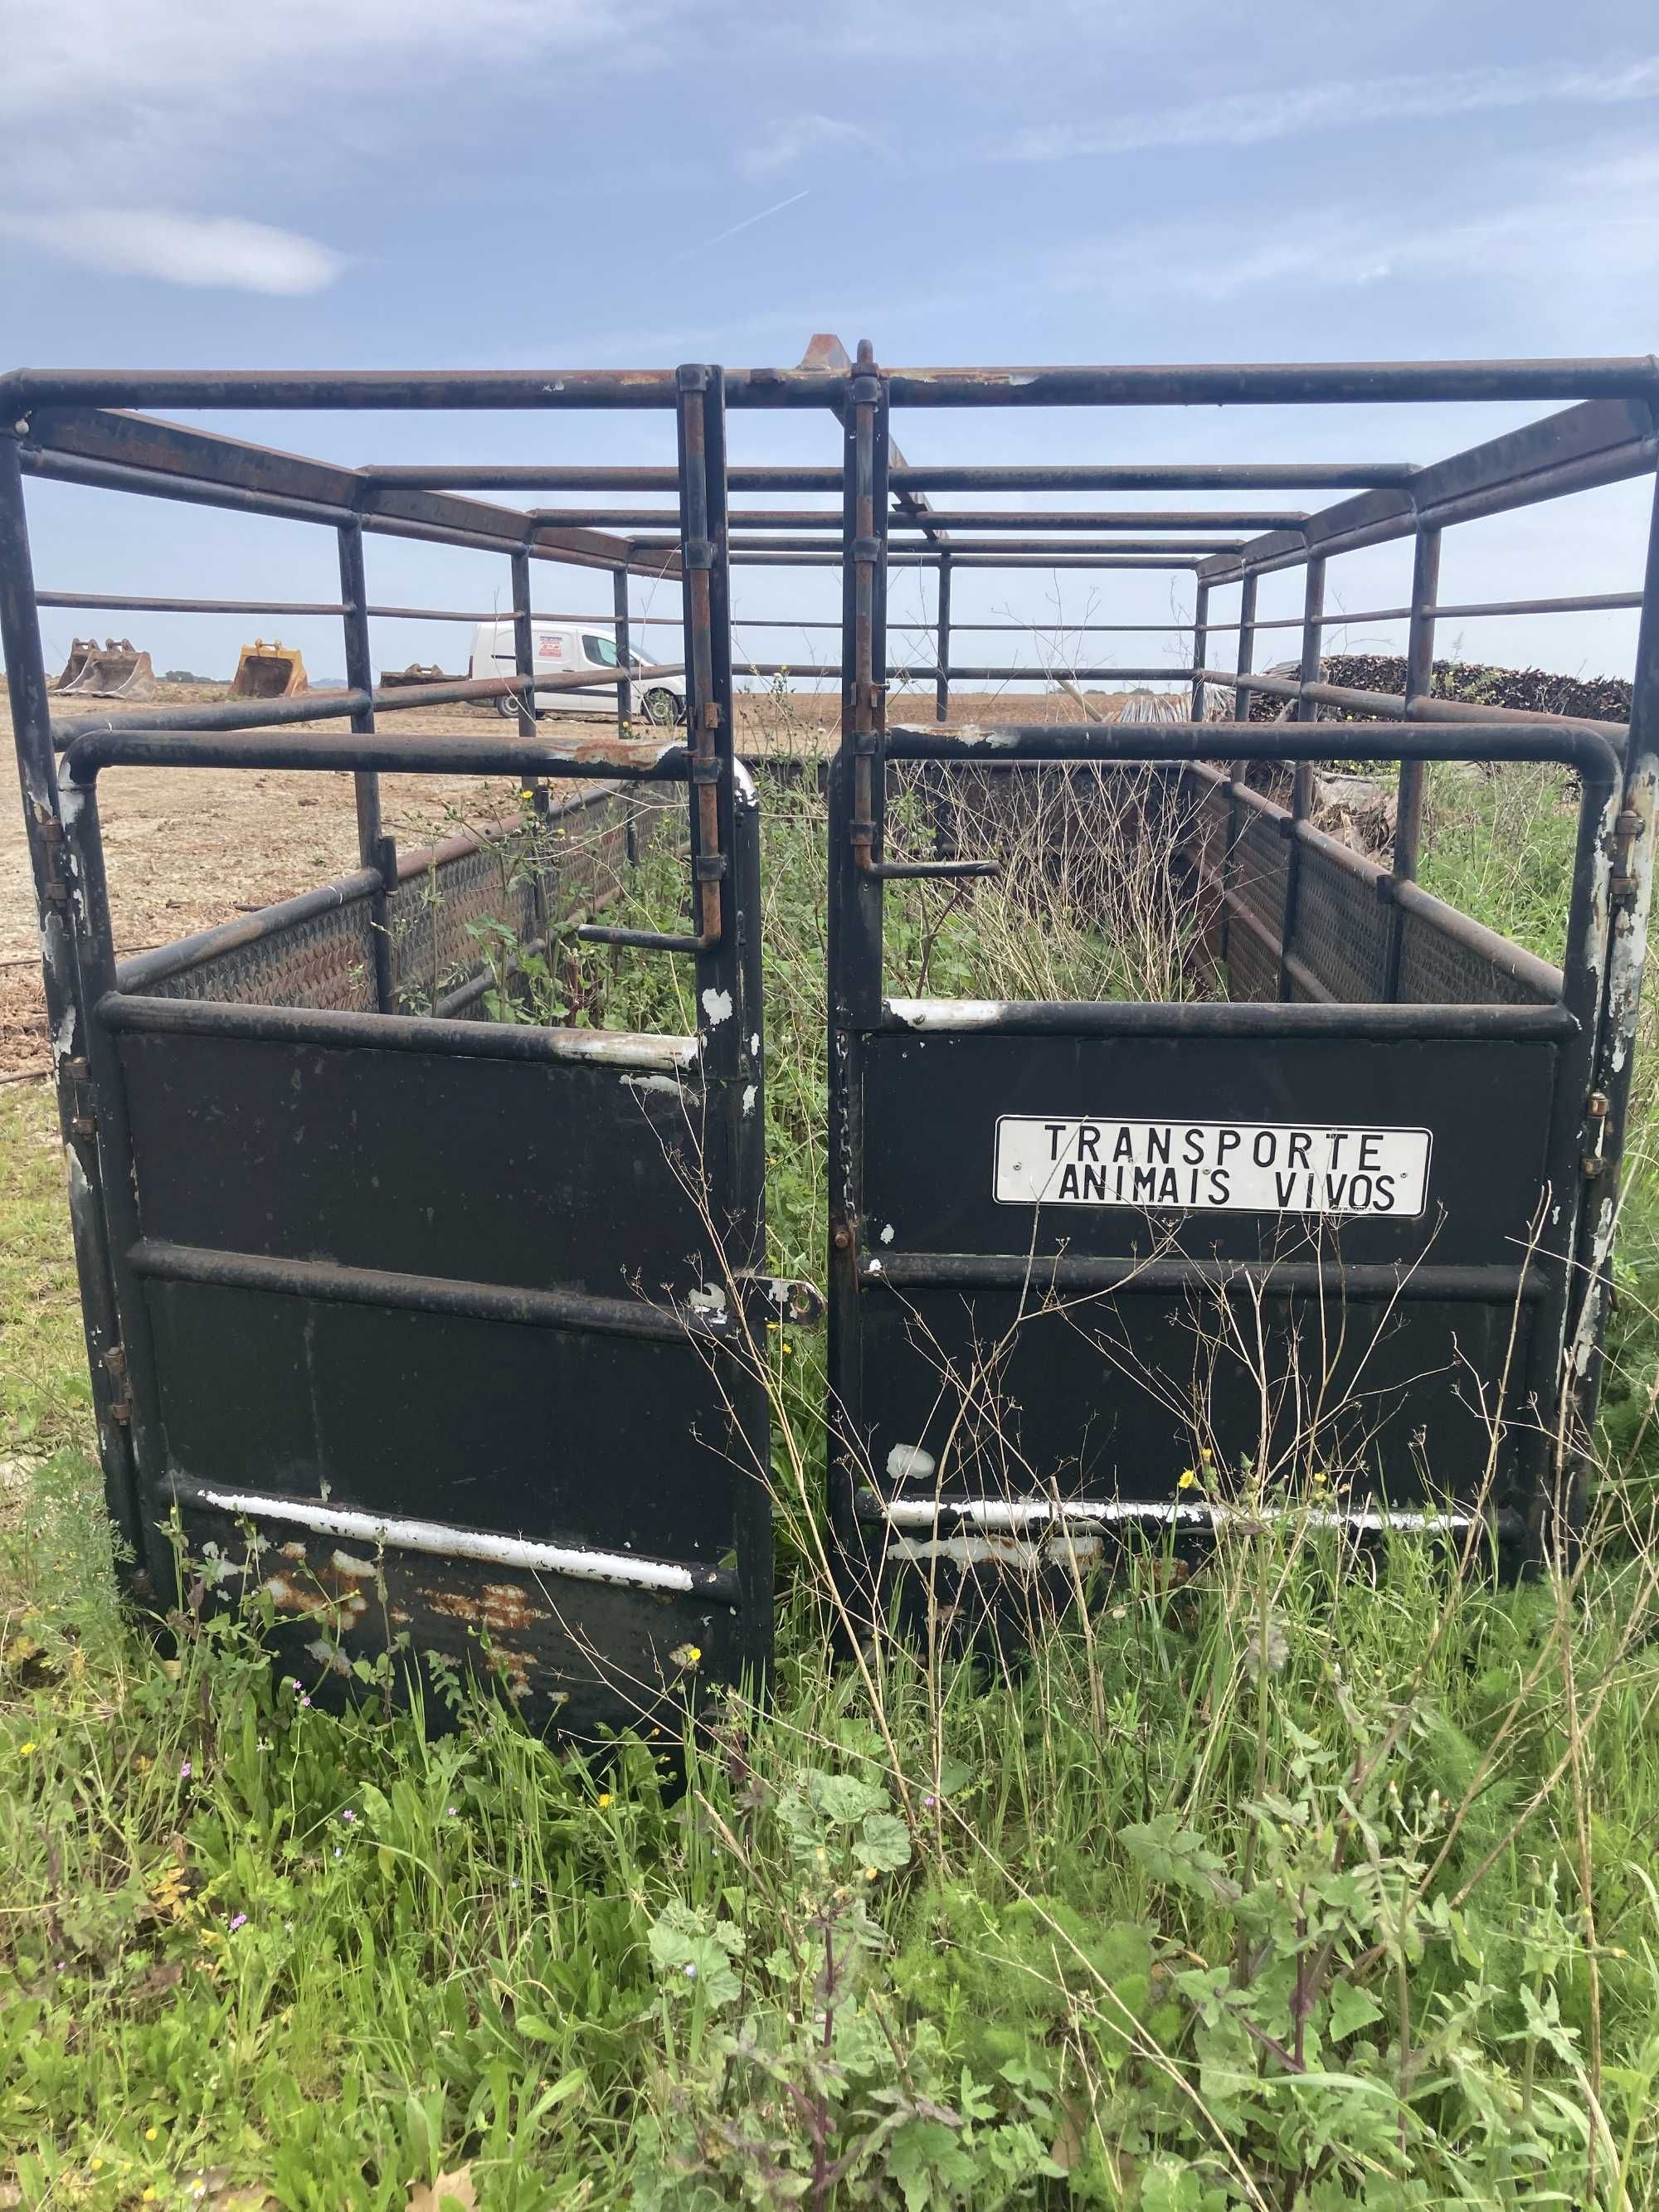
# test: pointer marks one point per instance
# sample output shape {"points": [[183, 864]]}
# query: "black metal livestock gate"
{"points": [[440, 1326]]}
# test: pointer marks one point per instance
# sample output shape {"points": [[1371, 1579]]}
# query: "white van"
{"points": [[572, 649]]}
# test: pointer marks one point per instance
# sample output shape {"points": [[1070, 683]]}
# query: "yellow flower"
{"points": [[1320, 1478], [98, 2166], [605, 1799], [149, 2135], [1188, 1479], [24, 1749], [149, 2196], [870, 1873]]}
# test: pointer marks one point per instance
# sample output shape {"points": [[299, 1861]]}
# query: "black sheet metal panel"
{"points": [[433, 1329], [1111, 1393], [1326, 1239]]}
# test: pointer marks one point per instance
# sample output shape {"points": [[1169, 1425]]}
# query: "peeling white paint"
{"points": [[1011, 1514], [1017, 1552], [347, 1563], [910, 1464], [887, 1234], [328, 1655], [947, 1014], [708, 1298], [717, 1005], [743, 785], [437, 1539], [754, 1045], [750, 1092], [666, 1083], [623, 1048]]}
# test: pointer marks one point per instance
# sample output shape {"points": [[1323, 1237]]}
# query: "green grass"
{"points": [[1269, 1887]]}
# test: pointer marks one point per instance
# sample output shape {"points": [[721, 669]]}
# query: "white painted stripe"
{"points": [[1026, 1513], [441, 1542]]}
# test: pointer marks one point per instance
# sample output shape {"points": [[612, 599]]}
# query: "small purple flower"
{"points": [[928, 1802], [348, 1817], [450, 1809], [690, 1972], [305, 1701], [184, 1770], [237, 1920]]}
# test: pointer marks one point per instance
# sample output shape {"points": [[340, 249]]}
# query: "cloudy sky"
{"points": [[592, 183]]}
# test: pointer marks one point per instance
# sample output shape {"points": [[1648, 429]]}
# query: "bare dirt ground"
{"points": [[188, 847]]}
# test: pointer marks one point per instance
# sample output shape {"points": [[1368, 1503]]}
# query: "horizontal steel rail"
{"points": [[225, 714], [425, 752], [1423, 709], [1250, 1018], [829, 520], [1606, 442], [439, 1540], [625, 1048], [1064, 1273], [331, 1283], [1035, 476], [1150, 384], [1006, 1516], [1575, 743]]}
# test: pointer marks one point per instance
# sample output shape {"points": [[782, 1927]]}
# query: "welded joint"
{"points": [[120, 1404]]}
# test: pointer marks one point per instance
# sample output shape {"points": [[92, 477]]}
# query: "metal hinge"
{"points": [[120, 1405], [57, 885]]}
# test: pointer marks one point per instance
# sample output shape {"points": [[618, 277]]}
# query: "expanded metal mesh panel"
{"points": [[1259, 868], [1252, 966], [1341, 928], [325, 962], [1435, 969], [440, 921]]}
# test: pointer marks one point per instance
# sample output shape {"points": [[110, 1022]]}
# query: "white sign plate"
{"points": [[1220, 1167]]}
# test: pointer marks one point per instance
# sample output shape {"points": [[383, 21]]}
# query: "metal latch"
{"points": [[779, 1298]]}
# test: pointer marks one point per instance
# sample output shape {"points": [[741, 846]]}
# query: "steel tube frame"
{"points": [[1610, 434]]}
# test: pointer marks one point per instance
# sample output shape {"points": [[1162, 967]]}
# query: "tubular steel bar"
{"points": [[375, 849], [1041, 476], [66, 1006], [1322, 383]]}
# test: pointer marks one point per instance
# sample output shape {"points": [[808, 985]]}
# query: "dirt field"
{"points": [[188, 847]]}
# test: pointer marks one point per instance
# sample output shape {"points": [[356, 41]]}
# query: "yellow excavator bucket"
{"points": [[269, 672], [114, 670]]}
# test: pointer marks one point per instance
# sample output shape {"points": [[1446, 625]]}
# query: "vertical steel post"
{"points": [[1302, 789], [374, 849], [544, 899], [725, 831], [66, 1007], [1200, 645], [1240, 771], [856, 805], [624, 691], [1420, 677], [1630, 899], [942, 679]]}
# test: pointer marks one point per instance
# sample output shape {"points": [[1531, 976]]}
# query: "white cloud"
{"points": [[1254, 118], [182, 249], [161, 101], [1556, 236], [792, 140]]}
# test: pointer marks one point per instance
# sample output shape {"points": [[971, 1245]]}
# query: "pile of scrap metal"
{"points": [[269, 672], [418, 671], [115, 670]]}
